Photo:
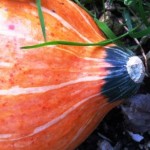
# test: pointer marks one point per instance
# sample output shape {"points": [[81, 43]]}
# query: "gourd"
{"points": [[53, 97]]}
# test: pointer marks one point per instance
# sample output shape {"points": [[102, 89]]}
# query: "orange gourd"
{"points": [[53, 97]]}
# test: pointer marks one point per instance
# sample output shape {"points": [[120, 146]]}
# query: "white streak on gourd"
{"points": [[16, 90]]}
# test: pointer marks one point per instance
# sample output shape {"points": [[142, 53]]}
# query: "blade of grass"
{"points": [[107, 31], [140, 34], [102, 43], [91, 14], [38, 4], [142, 12]]}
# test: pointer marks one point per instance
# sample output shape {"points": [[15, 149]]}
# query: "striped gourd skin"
{"points": [[50, 97]]}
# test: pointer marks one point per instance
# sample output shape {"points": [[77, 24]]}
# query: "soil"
{"points": [[112, 134]]}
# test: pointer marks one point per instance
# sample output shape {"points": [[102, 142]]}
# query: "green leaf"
{"points": [[127, 19], [38, 4], [129, 2]]}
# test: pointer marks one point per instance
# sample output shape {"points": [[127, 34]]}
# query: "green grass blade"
{"points": [[142, 12], [79, 4], [140, 34], [102, 43], [41, 17], [64, 43], [107, 31]]}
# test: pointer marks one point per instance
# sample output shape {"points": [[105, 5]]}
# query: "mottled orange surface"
{"points": [[50, 97]]}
